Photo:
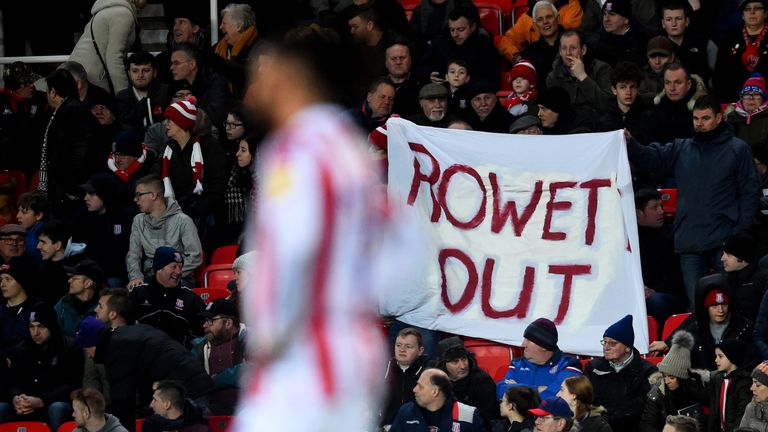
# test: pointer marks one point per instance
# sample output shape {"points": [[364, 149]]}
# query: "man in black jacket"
{"points": [[747, 280], [403, 370], [142, 104]]}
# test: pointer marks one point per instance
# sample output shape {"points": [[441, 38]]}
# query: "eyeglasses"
{"points": [[546, 417], [751, 95], [138, 195], [176, 62], [232, 125], [209, 321], [608, 343], [13, 240], [754, 9]]}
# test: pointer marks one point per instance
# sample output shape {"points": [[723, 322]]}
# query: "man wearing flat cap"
{"points": [[543, 366], [163, 302], [748, 281], [12, 242], [433, 99], [222, 352], [621, 37]]}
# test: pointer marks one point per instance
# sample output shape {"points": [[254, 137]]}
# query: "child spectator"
{"points": [[33, 213], [729, 387], [457, 77], [522, 99]]}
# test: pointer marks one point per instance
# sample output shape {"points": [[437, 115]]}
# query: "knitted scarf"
{"points": [[42, 186], [246, 39], [751, 55], [126, 174], [514, 99], [239, 187], [196, 163]]}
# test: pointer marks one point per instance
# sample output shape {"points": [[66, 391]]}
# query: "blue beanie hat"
{"points": [[89, 333], [165, 255], [622, 331]]}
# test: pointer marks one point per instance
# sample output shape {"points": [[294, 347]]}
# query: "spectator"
{"points": [[403, 371], [107, 37], [372, 39], [465, 42], [471, 385], [678, 391], [522, 100], [173, 411], [587, 80], [756, 413], [555, 112], [672, 111], [210, 88], [58, 251], [104, 225], [135, 356], [433, 99], [711, 322], [748, 282], [435, 408], [129, 161], [62, 159], [45, 369], [241, 194], [525, 31], [187, 26], [487, 114], [88, 411], [729, 386], [621, 37], [165, 303], [398, 62], [553, 415], [577, 392], [543, 52], [17, 277], [660, 52], [235, 127], [540, 354], [749, 116], [515, 409], [680, 423], [620, 376], [693, 49], [742, 52], [526, 125], [12, 242], [90, 94], [377, 106], [33, 213], [143, 102], [239, 36], [428, 21], [663, 280], [627, 111], [457, 80], [701, 224], [193, 167], [242, 269], [24, 110], [86, 279], [759, 229], [159, 214], [88, 336]]}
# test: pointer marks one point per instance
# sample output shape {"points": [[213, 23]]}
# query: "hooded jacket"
{"points": [[662, 402], [400, 384], [114, 29], [174, 229], [737, 397], [112, 425], [717, 186], [551, 374]]}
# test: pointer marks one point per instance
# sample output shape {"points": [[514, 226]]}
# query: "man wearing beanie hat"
{"points": [[620, 377], [471, 385], [487, 114], [729, 386], [711, 322], [17, 277], [543, 366], [555, 112], [674, 389], [130, 160], [756, 412], [749, 115], [620, 38], [747, 280], [165, 303], [43, 372]]}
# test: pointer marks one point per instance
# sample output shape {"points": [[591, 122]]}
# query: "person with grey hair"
{"points": [[209, 87], [542, 52], [680, 423], [239, 35], [88, 93]]}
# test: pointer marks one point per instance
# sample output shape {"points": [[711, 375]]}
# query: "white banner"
{"points": [[518, 227]]}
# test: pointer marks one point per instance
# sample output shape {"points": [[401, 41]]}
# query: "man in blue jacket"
{"points": [[543, 366], [435, 408], [718, 188]]}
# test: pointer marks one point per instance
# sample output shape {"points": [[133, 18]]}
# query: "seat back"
{"points": [[218, 275], [210, 294], [669, 201], [224, 255], [220, 423], [491, 18], [67, 427], [139, 424], [493, 358], [672, 323], [653, 329], [25, 426]]}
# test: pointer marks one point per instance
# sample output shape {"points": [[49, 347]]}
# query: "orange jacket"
{"points": [[524, 32]]}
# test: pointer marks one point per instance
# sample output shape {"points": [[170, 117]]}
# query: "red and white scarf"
{"points": [[751, 55], [126, 174], [196, 162]]}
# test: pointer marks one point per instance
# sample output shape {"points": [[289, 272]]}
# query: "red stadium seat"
{"points": [[224, 255], [34, 182], [672, 323], [139, 424], [21, 183], [220, 423], [584, 362], [653, 329], [409, 3], [27, 426], [218, 275], [210, 294], [67, 427], [491, 18], [493, 358]]}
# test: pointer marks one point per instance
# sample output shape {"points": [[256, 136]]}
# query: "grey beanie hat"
{"points": [[678, 361], [241, 261]]}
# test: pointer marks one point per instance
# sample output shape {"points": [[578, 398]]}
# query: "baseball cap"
{"points": [[220, 307]]}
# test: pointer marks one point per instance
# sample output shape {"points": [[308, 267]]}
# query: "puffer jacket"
{"points": [[661, 402], [594, 422]]}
